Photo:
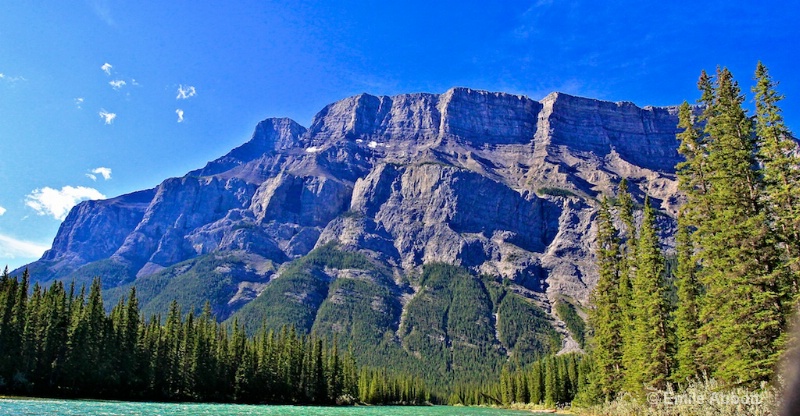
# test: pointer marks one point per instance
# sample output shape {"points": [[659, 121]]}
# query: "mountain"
{"points": [[353, 225]]}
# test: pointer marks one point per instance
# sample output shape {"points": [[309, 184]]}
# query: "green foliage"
{"points": [[548, 381], [577, 327], [628, 266], [447, 332], [209, 278], [725, 310], [352, 214], [605, 317], [57, 343], [566, 193], [685, 399], [448, 325], [741, 314], [525, 329], [360, 309], [651, 342], [685, 318], [777, 153], [113, 272], [294, 298]]}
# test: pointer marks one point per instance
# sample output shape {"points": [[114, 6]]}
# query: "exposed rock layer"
{"points": [[497, 183]]}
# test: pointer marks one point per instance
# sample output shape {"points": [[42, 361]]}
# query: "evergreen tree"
{"points": [[691, 181], [651, 337], [741, 314], [685, 317], [627, 272], [550, 383], [536, 383], [605, 315], [777, 153]]}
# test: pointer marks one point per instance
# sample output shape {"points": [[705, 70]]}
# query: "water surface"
{"points": [[109, 408]]}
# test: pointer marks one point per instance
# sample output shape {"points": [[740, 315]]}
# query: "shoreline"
{"points": [[527, 407], [518, 407]]}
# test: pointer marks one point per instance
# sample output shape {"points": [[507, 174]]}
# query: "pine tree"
{"points": [[550, 383], [777, 152], [536, 383], [627, 271], [605, 314], [172, 336], [691, 181], [685, 317], [335, 383], [651, 341], [129, 339], [521, 389], [741, 312]]}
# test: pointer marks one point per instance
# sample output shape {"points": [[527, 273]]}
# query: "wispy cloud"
{"points": [[117, 84], [79, 102], [107, 117], [104, 172], [184, 93], [2, 211], [57, 203], [107, 68], [102, 10], [12, 248], [9, 79], [179, 112]]}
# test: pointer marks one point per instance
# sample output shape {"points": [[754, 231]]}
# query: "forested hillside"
{"points": [[736, 280]]}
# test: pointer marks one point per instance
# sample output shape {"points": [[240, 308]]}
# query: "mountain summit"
{"points": [[498, 184]]}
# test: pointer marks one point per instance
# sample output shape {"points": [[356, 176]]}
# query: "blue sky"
{"points": [[101, 98]]}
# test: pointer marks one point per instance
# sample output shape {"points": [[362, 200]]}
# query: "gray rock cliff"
{"points": [[497, 183]]}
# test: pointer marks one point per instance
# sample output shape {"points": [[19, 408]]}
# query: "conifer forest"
{"points": [[716, 306]]}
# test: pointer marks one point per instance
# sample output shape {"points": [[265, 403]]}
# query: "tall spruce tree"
{"points": [[605, 315], [651, 346], [691, 181], [741, 314], [778, 154], [627, 270], [685, 315]]}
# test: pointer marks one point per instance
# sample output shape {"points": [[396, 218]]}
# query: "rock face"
{"points": [[497, 183]]}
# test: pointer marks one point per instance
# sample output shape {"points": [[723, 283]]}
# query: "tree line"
{"points": [[549, 381], [59, 343], [722, 311]]}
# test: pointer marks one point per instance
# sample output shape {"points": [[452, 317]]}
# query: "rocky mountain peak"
{"points": [[497, 183], [270, 136]]}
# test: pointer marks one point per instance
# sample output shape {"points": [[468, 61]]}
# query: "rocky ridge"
{"points": [[497, 183]]}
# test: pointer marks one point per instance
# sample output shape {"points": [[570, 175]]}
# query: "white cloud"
{"points": [[2, 211], [12, 248], [78, 102], [9, 79], [107, 68], [107, 117], [117, 84], [373, 144], [179, 112], [313, 149], [104, 172], [133, 81], [57, 203], [102, 10], [184, 93]]}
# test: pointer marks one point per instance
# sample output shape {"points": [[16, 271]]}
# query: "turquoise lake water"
{"points": [[106, 408]]}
